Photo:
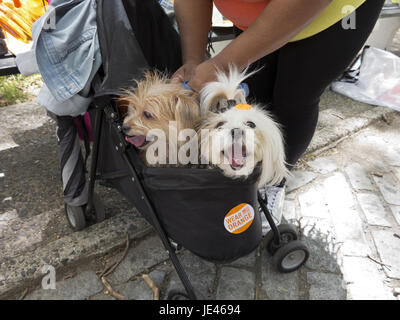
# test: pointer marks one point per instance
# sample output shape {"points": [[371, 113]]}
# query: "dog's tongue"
{"points": [[137, 141], [237, 161], [236, 157]]}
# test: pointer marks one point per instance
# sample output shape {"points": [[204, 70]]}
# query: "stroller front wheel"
{"points": [[288, 233], [291, 256]]}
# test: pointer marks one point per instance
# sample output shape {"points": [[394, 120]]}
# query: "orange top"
{"points": [[242, 13]]}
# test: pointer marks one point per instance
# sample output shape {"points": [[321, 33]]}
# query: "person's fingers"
{"points": [[203, 73], [177, 78], [195, 85]]}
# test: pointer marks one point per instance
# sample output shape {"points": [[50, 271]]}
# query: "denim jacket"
{"points": [[66, 50]]}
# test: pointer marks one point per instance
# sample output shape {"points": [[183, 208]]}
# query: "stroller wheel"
{"points": [[291, 256], [76, 217], [288, 234], [99, 210]]}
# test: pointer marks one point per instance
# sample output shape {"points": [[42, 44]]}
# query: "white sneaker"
{"points": [[274, 197]]}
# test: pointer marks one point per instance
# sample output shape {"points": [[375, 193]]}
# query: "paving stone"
{"points": [[317, 228], [312, 203], [321, 259], [388, 247], [235, 284], [345, 216], [358, 178], [325, 286], [397, 172], [276, 285], [289, 210], [84, 285], [376, 163], [396, 213], [364, 280], [101, 296], [389, 188], [373, 210], [145, 254], [299, 179], [201, 274], [323, 165], [158, 276], [392, 156], [246, 261], [135, 290], [319, 236]]}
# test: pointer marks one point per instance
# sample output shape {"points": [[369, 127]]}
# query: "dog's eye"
{"points": [[250, 124], [147, 115], [219, 125]]}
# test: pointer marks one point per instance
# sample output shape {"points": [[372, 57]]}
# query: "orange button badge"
{"points": [[239, 218]]}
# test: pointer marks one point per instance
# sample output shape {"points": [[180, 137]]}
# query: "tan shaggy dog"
{"points": [[158, 109]]}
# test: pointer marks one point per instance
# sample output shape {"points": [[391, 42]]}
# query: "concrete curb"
{"points": [[26, 270]]}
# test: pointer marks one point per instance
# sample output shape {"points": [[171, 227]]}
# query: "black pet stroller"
{"points": [[186, 206]]}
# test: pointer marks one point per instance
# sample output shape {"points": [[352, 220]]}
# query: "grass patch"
{"points": [[17, 89]]}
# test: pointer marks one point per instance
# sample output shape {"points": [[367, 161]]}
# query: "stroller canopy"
{"points": [[131, 34]]}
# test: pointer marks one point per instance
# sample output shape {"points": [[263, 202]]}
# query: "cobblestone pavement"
{"points": [[345, 202]]}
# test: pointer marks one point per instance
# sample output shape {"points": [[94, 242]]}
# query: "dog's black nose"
{"points": [[236, 133], [125, 128]]}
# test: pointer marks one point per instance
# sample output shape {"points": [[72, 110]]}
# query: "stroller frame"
{"points": [[121, 145], [281, 241]]}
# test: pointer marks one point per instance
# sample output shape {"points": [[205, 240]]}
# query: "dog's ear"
{"points": [[274, 168], [187, 113], [122, 105]]}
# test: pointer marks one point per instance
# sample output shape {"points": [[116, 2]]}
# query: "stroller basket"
{"points": [[192, 205], [207, 213]]}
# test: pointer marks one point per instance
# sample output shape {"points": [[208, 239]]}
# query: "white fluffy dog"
{"points": [[236, 136]]}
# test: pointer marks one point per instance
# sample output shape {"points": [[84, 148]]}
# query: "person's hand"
{"points": [[203, 73], [197, 74], [185, 72]]}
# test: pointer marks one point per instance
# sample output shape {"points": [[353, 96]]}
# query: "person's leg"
{"points": [[305, 69], [294, 79]]}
